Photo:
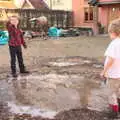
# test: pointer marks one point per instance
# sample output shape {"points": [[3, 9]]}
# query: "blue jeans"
{"points": [[16, 52]]}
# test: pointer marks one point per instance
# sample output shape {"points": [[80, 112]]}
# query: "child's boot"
{"points": [[23, 70], [114, 106], [13, 68]]}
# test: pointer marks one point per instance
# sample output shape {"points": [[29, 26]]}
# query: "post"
{"points": [[51, 4], [96, 12]]}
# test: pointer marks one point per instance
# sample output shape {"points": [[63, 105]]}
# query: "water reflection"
{"points": [[54, 91], [20, 90], [49, 91]]}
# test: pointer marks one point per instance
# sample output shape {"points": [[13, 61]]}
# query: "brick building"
{"points": [[95, 13]]}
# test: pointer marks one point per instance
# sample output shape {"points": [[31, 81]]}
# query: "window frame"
{"points": [[89, 7]]}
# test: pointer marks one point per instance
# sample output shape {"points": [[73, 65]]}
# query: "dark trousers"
{"points": [[16, 52]]}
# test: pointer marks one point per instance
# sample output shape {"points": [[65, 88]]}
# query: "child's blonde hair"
{"points": [[13, 16], [114, 27]]}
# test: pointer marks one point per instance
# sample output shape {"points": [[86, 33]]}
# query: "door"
{"points": [[114, 13]]}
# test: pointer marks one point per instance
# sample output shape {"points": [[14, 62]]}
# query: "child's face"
{"points": [[14, 21], [113, 35]]}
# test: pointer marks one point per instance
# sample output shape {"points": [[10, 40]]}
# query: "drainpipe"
{"points": [[96, 18], [51, 4], [94, 3]]}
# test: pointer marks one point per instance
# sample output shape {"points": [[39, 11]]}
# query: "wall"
{"points": [[19, 3], [62, 5], [103, 15], [78, 15], [106, 15], [77, 12]]}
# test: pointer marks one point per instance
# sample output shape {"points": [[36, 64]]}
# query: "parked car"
{"points": [[4, 37], [70, 33], [31, 34]]}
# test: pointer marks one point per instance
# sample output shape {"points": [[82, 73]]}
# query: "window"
{"points": [[57, 2], [88, 14]]}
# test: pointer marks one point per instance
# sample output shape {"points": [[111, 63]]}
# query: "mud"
{"points": [[60, 87], [56, 87]]}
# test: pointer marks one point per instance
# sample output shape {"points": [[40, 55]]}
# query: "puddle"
{"points": [[97, 66], [87, 61], [55, 92], [47, 91], [30, 110], [48, 94], [62, 64]]}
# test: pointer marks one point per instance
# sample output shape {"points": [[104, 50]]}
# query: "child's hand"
{"points": [[25, 46], [103, 78], [103, 74]]}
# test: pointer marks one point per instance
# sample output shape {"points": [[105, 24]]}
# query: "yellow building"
{"points": [[24, 4], [7, 4], [16, 4]]}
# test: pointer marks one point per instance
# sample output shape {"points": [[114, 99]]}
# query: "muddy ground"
{"points": [[64, 83]]}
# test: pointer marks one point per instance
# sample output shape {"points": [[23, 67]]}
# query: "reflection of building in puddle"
{"points": [[55, 92], [31, 111], [19, 90], [50, 91]]}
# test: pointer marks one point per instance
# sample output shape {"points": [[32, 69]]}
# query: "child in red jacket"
{"points": [[15, 42]]}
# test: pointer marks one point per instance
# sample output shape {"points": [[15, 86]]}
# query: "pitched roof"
{"points": [[35, 4], [38, 4], [99, 3], [109, 2], [93, 2], [27, 4]]}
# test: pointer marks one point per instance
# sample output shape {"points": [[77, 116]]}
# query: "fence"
{"points": [[60, 18]]}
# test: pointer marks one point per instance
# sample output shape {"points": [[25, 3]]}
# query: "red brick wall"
{"points": [[78, 12], [105, 12]]}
